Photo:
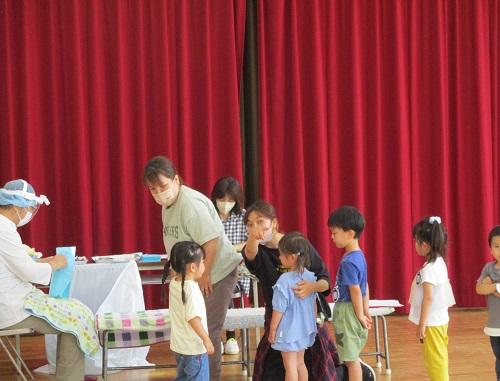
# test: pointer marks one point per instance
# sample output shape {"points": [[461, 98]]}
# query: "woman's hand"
{"points": [[255, 232], [205, 283], [304, 288], [57, 262]]}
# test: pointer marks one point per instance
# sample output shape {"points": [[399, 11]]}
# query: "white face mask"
{"points": [[268, 236], [165, 198], [225, 206], [23, 221]]}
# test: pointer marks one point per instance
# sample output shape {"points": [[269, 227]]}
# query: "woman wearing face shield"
{"points": [[188, 215], [18, 205], [261, 257]]}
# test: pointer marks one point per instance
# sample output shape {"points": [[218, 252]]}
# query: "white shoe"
{"points": [[221, 348], [231, 347]]}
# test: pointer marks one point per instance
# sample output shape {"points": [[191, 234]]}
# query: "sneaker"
{"points": [[231, 347], [221, 348]]}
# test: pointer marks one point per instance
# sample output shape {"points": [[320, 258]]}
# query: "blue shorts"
{"points": [[192, 367]]}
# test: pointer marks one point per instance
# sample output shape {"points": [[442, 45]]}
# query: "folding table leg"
{"points": [[378, 363], [386, 347]]}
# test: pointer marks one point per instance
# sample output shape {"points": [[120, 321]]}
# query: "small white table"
{"points": [[106, 287]]}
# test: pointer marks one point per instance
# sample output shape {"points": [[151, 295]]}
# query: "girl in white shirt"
{"points": [[431, 296], [189, 338]]}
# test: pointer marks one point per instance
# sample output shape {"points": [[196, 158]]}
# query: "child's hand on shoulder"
{"points": [[209, 346]]}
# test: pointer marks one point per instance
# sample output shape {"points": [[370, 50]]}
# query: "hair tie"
{"points": [[435, 220]]}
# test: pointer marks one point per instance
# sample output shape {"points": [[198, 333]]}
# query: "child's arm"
{"points": [[366, 304], [357, 302], [275, 321], [425, 309], [486, 287], [200, 331]]}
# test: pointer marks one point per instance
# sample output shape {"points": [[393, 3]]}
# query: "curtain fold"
{"points": [[90, 90], [391, 106]]}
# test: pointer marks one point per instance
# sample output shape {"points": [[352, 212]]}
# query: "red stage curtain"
{"points": [[90, 90], [391, 106]]}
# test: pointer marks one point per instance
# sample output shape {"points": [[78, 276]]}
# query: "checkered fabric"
{"points": [[134, 329], [236, 231]]}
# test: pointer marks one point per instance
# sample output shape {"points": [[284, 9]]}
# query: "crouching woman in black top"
{"points": [[261, 257]]}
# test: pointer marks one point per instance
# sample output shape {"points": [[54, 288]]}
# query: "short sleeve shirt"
{"points": [[436, 274], [489, 270], [352, 271], [298, 319], [193, 217], [183, 339]]}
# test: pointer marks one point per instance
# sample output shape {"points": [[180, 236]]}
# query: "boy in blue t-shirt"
{"points": [[351, 316]]}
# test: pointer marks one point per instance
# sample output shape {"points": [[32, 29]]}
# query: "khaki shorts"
{"points": [[350, 335]]}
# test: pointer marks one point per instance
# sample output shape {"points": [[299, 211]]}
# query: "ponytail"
{"points": [[166, 272]]}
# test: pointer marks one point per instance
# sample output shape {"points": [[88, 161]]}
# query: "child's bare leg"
{"points": [[301, 367], [354, 369], [290, 363]]}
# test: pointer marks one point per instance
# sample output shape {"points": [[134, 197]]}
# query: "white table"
{"points": [[106, 287]]}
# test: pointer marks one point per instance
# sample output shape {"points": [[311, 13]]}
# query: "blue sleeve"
{"points": [[350, 274], [280, 298]]}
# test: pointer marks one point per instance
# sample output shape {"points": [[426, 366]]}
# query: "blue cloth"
{"points": [[297, 328], [149, 258], [352, 271], [192, 367], [61, 279]]}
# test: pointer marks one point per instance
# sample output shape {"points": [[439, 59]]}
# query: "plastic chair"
{"points": [[14, 352]]}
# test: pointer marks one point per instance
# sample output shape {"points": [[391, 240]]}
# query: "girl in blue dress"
{"points": [[293, 322]]}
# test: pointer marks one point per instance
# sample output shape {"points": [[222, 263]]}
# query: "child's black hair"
{"points": [[493, 233], [432, 231], [347, 218], [296, 243], [182, 254]]}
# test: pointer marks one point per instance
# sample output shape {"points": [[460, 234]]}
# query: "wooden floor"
{"points": [[471, 357]]}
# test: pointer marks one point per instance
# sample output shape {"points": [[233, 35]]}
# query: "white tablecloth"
{"points": [[106, 287]]}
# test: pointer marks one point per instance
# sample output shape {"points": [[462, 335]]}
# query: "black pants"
{"points": [[495, 345]]}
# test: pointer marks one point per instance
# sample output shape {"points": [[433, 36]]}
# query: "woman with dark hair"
{"points": [[188, 215], [227, 197], [261, 256]]}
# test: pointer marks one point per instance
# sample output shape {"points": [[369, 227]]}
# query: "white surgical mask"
{"points": [[268, 236], [23, 221], [165, 198], [225, 206]]}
